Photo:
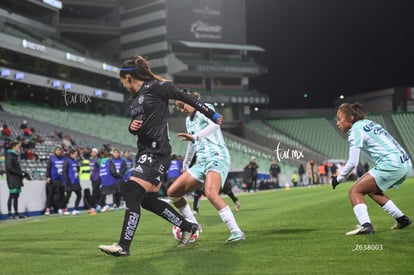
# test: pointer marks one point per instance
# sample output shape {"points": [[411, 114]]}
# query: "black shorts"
{"points": [[151, 168], [110, 189], [73, 187]]}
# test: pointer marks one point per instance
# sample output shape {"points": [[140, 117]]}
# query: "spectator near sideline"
{"points": [[254, 173], [274, 172], [55, 186], [109, 182], [312, 171], [72, 182], [302, 174], [127, 157], [95, 180], [174, 171], [121, 168], [14, 177], [247, 178]]}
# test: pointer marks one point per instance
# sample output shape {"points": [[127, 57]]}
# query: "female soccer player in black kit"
{"points": [[149, 111]]}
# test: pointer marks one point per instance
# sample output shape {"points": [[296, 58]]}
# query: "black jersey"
{"points": [[150, 105]]}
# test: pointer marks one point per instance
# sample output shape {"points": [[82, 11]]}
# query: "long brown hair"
{"points": [[138, 67]]}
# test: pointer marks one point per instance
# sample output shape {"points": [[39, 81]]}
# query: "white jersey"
{"points": [[210, 146], [377, 144]]}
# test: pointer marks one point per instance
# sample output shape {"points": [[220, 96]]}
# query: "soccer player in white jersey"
{"points": [[211, 167], [392, 166]]}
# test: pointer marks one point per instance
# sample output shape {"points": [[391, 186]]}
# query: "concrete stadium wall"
{"points": [[32, 199]]}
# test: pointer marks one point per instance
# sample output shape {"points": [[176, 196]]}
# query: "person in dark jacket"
{"points": [[109, 178], [72, 182], [55, 187], [95, 180], [14, 176]]}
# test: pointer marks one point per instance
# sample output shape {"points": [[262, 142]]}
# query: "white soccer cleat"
{"points": [[236, 236], [114, 250], [187, 236], [237, 205]]}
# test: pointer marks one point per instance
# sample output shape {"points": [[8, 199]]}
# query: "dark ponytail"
{"points": [[352, 110], [138, 68]]}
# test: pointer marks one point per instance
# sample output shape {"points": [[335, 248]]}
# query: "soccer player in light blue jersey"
{"points": [[211, 167], [392, 166]]}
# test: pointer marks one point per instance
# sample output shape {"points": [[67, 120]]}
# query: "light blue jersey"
{"points": [[392, 163], [377, 144], [211, 146], [211, 150]]}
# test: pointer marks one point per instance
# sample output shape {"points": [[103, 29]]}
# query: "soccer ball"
{"points": [[176, 232]]}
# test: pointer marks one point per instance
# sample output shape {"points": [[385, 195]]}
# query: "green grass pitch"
{"points": [[294, 231]]}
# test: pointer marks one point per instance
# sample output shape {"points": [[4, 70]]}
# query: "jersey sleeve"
{"points": [[356, 139], [352, 162], [169, 91], [208, 130], [188, 156]]}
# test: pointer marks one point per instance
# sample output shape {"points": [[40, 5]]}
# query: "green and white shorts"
{"points": [[200, 169], [386, 178]]}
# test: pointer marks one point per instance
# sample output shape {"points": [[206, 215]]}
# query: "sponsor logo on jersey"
{"points": [[139, 169]]}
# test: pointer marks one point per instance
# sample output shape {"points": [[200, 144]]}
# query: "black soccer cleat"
{"points": [[402, 222], [366, 228]]}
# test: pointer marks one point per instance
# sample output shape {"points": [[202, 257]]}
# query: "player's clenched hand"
{"points": [[135, 125], [334, 182]]}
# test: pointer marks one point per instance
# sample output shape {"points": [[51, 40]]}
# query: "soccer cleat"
{"points": [[66, 212], [187, 235], [75, 212], [47, 212], [114, 250], [236, 236], [105, 208], [402, 222], [366, 228], [237, 205], [60, 212], [98, 208], [92, 211], [200, 228]]}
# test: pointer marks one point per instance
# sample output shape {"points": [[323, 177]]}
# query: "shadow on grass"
{"points": [[222, 259], [282, 231]]}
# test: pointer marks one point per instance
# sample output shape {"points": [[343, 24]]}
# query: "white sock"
{"points": [[228, 218], [361, 213], [187, 213], [393, 210]]}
